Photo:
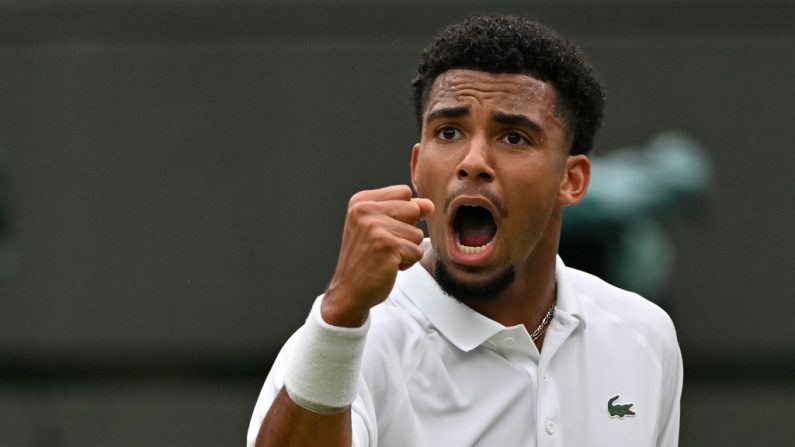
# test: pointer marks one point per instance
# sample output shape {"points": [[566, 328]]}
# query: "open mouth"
{"points": [[474, 229]]}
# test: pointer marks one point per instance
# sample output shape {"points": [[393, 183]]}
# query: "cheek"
{"points": [[538, 179], [429, 179], [533, 199]]}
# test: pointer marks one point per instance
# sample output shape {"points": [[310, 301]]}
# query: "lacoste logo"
{"points": [[619, 410]]}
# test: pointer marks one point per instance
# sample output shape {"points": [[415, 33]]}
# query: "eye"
{"points": [[514, 138], [448, 133]]}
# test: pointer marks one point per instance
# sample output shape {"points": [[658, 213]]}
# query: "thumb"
{"points": [[426, 206]]}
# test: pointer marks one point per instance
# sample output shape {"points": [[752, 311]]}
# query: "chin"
{"points": [[474, 290]]}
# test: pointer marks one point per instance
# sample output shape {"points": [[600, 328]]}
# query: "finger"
{"points": [[405, 231], [426, 206], [403, 211], [409, 254], [399, 210], [394, 192]]}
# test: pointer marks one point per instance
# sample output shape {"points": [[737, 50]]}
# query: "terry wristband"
{"points": [[324, 368]]}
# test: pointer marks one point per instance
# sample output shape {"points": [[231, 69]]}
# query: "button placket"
{"points": [[547, 406], [514, 344]]}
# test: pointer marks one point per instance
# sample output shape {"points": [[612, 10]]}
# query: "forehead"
{"points": [[506, 92]]}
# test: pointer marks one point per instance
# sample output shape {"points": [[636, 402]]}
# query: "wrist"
{"points": [[337, 309], [323, 370]]}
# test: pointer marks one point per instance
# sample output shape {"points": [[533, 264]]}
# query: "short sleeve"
{"points": [[672, 392]]}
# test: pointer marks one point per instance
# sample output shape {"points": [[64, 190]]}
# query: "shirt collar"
{"points": [[568, 300], [457, 322]]}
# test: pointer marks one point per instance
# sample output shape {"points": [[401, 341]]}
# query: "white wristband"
{"points": [[323, 371]]}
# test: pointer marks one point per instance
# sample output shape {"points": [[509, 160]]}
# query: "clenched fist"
{"points": [[380, 238]]}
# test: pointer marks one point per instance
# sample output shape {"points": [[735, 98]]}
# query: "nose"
{"points": [[476, 165]]}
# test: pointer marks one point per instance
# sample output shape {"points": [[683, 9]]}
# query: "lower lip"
{"points": [[471, 258]]}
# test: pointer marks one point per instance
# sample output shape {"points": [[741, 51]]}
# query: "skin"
{"points": [[503, 142]]}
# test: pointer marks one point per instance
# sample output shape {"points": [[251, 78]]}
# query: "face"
{"points": [[493, 157]]}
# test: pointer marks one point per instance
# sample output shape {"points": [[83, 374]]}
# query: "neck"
{"points": [[527, 300], [529, 297]]}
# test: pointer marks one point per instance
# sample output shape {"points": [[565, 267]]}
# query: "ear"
{"points": [[575, 180], [415, 155]]}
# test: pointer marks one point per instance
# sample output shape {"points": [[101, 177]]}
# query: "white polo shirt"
{"points": [[436, 373]]}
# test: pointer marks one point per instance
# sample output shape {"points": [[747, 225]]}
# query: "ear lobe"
{"points": [[575, 180], [415, 155]]}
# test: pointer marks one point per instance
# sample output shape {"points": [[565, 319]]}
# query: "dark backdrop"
{"points": [[179, 173]]}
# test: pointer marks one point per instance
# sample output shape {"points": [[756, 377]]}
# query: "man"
{"points": [[480, 336]]}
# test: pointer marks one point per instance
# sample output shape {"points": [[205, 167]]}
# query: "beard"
{"points": [[473, 292]]}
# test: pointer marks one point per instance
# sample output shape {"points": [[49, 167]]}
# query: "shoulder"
{"points": [[624, 314], [397, 330]]}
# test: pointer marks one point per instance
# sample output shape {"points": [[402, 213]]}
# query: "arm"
{"points": [[288, 424], [669, 429], [672, 388], [379, 239]]}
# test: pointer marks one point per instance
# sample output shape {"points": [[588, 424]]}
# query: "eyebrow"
{"points": [[510, 119], [448, 112], [517, 120]]}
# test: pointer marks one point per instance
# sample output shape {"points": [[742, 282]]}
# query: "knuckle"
{"points": [[413, 254], [416, 211], [360, 209], [357, 198], [417, 236], [382, 240], [372, 226], [404, 191]]}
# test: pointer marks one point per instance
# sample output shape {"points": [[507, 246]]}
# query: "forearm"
{"points": [[379, 239], [287, 424], [322, 378]]}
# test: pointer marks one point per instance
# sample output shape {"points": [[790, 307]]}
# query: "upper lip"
{"points": [[467, 200]]}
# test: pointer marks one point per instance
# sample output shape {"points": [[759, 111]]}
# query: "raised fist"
{"points": [[380, 238]]}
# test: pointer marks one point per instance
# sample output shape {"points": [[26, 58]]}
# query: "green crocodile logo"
{"points": [[619, 410]]}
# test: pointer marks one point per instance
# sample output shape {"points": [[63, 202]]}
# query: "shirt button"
{"points": [[551, 427], [508, 342]]}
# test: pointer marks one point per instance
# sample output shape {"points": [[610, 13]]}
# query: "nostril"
{"points": [[462, 173]]}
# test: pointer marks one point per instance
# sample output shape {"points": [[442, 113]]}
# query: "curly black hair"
{"points": [[510, 44]]}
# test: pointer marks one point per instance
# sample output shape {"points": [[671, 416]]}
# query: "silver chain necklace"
{"points": [[545, 322]]}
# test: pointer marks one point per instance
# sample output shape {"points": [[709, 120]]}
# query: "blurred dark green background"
{"points": [[178, 171]]}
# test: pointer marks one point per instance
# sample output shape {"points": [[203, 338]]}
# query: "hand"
{"points": [[380, 238]]}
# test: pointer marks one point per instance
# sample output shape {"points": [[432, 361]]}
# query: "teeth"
{"points": [[471, 250]]}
